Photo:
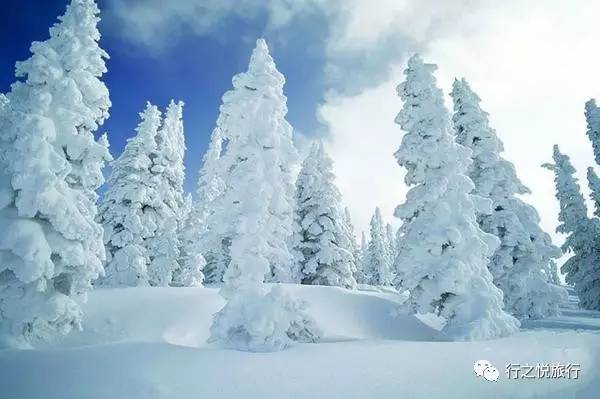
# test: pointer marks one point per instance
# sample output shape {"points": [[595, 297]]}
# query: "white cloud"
{"points": [[533, 64]]}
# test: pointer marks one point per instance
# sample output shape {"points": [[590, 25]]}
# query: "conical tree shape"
{"points": [[526, 251], [378, 266], [128, 212], [257, 161], [443, 255], [50, 168], [582, 269], [326, 258]]}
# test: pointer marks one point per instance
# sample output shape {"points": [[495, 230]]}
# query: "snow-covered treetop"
{"points": [[72, 51], [261, 80], [573, 211], [493, 176], [592, 116], [425, 120]]}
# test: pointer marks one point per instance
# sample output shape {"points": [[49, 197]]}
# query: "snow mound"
{"points": [[149, 343], [182, 316]]}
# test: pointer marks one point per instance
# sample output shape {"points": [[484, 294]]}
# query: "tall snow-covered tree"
{"points": [[443, 254], [255, 210], [526, 252], [326, 256], [582, 269], [592, 116], [168, 174], [128, 211], [378, 263], [51, 166]]}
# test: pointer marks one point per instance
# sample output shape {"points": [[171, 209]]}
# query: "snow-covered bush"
{"points": [[377, 260], [255, 210], [443, 254], [50, 168], [128, 211], [582, 269], [323, 237], [525, 250]]}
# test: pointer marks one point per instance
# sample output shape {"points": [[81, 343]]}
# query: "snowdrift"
{"points": [[150, 343]]}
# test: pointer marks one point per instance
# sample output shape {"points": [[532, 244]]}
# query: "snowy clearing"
{"points": [[149, 343]]}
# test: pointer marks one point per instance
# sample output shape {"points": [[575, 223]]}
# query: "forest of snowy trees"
{"points": [[469, 249]]}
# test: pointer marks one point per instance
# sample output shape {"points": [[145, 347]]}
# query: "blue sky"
{"points": [[196, 69], [531, 61]]}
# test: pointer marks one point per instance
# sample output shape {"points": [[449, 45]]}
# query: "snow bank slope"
{"points": [[182, 316], [149, 344]]}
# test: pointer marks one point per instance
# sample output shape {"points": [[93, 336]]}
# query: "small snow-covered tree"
{"points": [[200, 237], [168, 174], [360, 275], [191, 261], [128, 211], [582, 269], [326, 256], [378, 264], [50, 168], [255, 210], [443, 255], [349, 240], [592, 116], [526, 251], [390, 238]]}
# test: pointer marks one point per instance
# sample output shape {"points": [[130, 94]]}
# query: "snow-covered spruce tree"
{"points": [[526, 251], [349, 240], [168, 174], [199, 235], [325, 260], [128, 211], [582, 269], [377, 262], [50, 167], [191, 261], [592, 117], [443, 255], [360, 275], [390, 239], [256, 211]]}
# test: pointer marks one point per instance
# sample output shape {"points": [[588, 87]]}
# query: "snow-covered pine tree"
{"points": [[349, 241], [390, 238], [326, 256], [51, 166], [526, 251], [199, 235], [592, 116], [360, 275], [255, 209], [443, 256], [191, 261], [168, 174], [128, 211], [582, 269], [378, 264]]}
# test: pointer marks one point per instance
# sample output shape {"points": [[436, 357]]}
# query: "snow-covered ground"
{"points": [[150, 343]]}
